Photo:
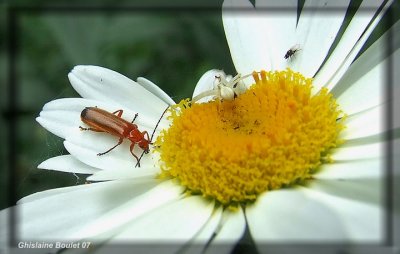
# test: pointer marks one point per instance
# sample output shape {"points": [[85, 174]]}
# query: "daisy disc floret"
{"points": [[274, 135]]}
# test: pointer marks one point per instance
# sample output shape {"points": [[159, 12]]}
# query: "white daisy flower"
{"points": [[268, 157]]}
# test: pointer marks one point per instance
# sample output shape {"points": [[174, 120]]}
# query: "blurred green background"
{"points": [[171, 46]]}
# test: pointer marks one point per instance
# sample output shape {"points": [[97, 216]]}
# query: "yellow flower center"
{"points": [[274, 135]]}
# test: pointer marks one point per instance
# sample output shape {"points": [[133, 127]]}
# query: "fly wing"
{"points": [[295, 48]]}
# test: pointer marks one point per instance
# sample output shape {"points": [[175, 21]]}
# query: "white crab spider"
{"points": [[225, 87]]}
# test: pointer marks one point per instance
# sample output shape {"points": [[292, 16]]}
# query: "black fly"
{"points": [[290, 53]]}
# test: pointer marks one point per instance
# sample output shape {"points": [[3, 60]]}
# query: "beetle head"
{"points": [[144, 144]]}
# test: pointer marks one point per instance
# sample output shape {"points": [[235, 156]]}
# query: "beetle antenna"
{"points": [[152, 135], [159, 120]]}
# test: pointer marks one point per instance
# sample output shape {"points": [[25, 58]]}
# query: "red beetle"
{"points": [[100, 120]]}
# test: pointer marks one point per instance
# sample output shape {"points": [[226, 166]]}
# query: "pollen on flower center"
{"points": [[274, 135]]}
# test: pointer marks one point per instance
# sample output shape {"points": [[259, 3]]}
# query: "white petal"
{"points": [[367, 123], [154, 89], [233, 225], [102, 84], [363, 222], [124, 173], [342, 68], [112, 222], [278, 26], [72, 104], [90, 144], [371, 168], [63, 115], [361, 89], [197, 244], [247, 43], [316, 30], [56, 217], [48, 193], [67, 163], [368, 151], [352, 33], [368, 190], [175, 223], [288, 216]]}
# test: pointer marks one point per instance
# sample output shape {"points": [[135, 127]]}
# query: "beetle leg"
{"points": [[147, 134], [89, 129], [134, 155], [119, 142], [118, 112], [138, 160], [134, 118]]}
